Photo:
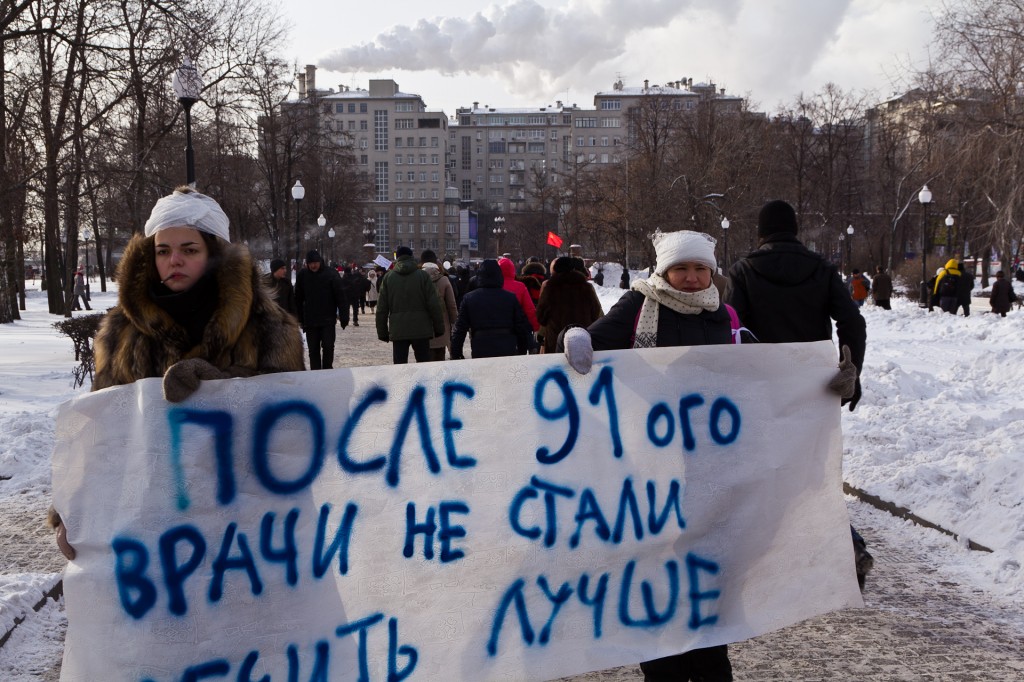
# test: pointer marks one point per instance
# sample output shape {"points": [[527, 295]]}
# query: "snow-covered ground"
{"points": [[940, 431]]}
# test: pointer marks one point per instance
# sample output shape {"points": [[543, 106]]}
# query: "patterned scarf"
{"points": [[658, 292]]}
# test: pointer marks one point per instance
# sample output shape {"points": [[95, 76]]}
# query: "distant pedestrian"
{"points": [[859, 287], [446, 293], [279, 282], [408, 309], [371, 293], [522, 294], [947, 286], [881, 288], [321, 303], [493, 318], [567, 299], [964, 288], [81, 292], [624, 279], [1002, 295], [599, 277]]}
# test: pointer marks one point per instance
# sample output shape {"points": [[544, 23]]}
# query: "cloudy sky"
{"points": [[534, 52]]}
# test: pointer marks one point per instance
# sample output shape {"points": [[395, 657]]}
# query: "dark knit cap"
{"points": [[276, 264], [428, 256], [776, 216], [314, 257], [403, 251]]}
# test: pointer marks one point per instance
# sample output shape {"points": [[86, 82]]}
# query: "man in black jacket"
{"points": [[786, 293], [320, 300], [493, 317]]}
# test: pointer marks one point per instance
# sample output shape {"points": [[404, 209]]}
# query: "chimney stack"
{"points": [[302, 85], [310, 78]]}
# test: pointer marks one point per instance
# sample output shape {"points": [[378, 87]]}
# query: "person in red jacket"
{"points": [[508, 271]]}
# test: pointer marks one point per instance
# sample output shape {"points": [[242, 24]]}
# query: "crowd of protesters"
{"points": [[193, 306]]}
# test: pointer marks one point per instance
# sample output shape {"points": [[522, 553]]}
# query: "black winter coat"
{"points": [[320, 297], [493, 317], [785, 293], [964, 287], [617, 328]]}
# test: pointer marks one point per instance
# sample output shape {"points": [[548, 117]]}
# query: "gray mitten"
{"points": [[183, 377], [845, 381], [578, 349]]}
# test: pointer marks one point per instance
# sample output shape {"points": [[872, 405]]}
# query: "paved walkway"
{"points": [[918, 626]]}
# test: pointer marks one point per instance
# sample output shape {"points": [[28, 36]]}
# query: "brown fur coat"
{"points": [[248, 334], [567, 298]]}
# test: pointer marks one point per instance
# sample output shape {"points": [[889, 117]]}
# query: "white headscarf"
{"points": [[188, 209]]}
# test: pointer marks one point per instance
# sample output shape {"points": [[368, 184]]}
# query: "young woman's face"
{"points": [[689, 277], [181, 257]]}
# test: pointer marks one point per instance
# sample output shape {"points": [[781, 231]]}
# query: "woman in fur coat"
{"points": [[567, 298], [190, 307]]}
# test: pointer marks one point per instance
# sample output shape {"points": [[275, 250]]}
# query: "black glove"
{"points": [[183, 377], [384, 337]]}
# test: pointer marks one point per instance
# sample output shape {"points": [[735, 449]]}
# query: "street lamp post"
{"points": [[949, 234], [369, 236], [499, 231], [842, 266], [725, 243], [86, 236], [298, 192], [849, 246], [187, 85], [331, 233], [321, 222], [925, 197]]}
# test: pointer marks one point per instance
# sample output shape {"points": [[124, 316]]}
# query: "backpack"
{"points": [[948, 285]]}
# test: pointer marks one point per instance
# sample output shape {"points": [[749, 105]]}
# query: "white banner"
{"points": [[501, 519]]}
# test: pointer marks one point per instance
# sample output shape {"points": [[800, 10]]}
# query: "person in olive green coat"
{"points": [[409, 311]]}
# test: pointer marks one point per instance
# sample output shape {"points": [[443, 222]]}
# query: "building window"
{"points": [[363, 125], [404, 124], [363, 159], [398, 159], [611, 123], [586, 122], [434, 142], [380, 130], [495, 147], [403, 106], [611, 105], [380, 169], [351, 107], [467, 152], [362, 107], [411, 177], [398, 142]]}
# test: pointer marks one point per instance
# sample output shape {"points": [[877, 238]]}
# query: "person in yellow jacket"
{"points": [[947, 283]]}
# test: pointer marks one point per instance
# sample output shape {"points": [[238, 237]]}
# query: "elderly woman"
{"points": [[190, 307], [678, 305]]}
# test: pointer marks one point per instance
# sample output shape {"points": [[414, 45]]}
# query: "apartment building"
{"points": [[403, 148], [503, 160]]}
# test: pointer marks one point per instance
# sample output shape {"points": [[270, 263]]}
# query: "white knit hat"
{"points": [[684, 246], [188, 209]]}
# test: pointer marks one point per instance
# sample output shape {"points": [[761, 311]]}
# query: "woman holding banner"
{"points": [[678, 305], [191, 307]]}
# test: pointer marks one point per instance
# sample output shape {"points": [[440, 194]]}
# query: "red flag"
{"points": [[554, 240]]}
